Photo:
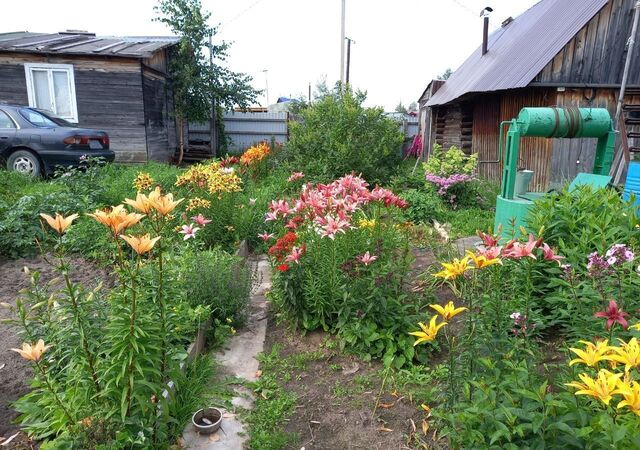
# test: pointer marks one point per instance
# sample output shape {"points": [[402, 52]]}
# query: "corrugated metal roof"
{"points": [[519, 50], [70, 43]]}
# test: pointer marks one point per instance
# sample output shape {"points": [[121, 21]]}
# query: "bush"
{"points": [[424, 206], [449, 173], [337, 135], [219, 281], [584, 220]]}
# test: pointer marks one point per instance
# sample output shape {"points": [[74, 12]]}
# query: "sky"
{"points": [[399, 47]]}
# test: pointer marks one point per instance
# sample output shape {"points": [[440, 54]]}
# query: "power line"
{"points": [[240, 14]]}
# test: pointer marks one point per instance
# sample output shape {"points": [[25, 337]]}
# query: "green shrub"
{"points": [[424, 206], [584, 220], [337, 135], [219, 281], [445, 163]]}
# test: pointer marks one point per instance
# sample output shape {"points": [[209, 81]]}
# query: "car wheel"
{"points": [[24, 161]]}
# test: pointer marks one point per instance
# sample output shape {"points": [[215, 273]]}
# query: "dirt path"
{"points": [[15, 372]]}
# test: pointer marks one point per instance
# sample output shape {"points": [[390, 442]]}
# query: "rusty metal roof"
{"points": [[519, 50], [82, 43]]}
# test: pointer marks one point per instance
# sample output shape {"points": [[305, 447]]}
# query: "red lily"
{"points": [[488, 240], [613, 315]]}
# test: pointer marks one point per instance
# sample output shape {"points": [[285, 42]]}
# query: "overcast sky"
{"points": [[399, 45]]}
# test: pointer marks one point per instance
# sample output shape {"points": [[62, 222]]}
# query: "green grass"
{"points": [[273, 403]]}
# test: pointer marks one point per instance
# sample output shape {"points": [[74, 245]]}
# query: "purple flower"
{"points": [[597, 264], [618, 254], [444, 183]]}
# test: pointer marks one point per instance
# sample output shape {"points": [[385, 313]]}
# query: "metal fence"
{"points": [[245, 129]]}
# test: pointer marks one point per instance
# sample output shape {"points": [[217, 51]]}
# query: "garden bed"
{"points": [[16, 372]]}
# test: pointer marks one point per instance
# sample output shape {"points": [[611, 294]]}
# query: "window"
{"points": [[38, 119], [52, 87], [5, 121]]}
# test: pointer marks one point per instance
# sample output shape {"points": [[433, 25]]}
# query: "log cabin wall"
{"points": [[453, 126], [109, 96]]}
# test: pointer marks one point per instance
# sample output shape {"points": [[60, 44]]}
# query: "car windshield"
{"points": [[42, 118]]}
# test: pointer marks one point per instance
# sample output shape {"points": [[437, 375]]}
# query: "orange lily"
{"points": [[59, 223], [32, 352], [141, 244], [142, 203], [164, 204], [117, 219]]}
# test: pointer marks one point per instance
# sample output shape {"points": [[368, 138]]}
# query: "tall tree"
{"points": [[197, 82], [400, 108], [445, 75]]}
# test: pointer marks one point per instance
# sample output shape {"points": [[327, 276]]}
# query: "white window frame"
{"points": [[31, 93]]}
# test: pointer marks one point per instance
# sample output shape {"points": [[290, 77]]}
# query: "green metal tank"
{"points": [[569, 122]]}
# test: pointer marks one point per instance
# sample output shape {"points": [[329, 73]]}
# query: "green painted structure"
{"points": [[513, 203]]}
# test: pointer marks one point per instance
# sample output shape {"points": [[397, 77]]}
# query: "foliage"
{"points": [[222, 283], [338, 135], [450, 173], [445, 163], [341, 265], [424, 206], [195, 82], [108, 355]]}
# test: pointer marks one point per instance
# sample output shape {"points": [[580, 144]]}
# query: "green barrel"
{"points": [[567, 122]]}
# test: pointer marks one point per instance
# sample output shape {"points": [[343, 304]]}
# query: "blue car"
{"points": [[34, 141]]}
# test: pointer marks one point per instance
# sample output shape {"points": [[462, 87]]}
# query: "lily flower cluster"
{"points": [[142, 182], [608, 382], [212, 177], [429, 332], [514, 249], [329, 208], [458, 267], [255, 154]]}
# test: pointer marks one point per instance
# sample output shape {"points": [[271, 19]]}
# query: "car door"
{"points": [[7, 131]]}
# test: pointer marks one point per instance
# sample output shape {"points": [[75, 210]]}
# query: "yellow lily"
{"points": [[628, 354], [117, 218], [630, 390], [635, 327], [481, 261], [448, 311], [428, 333], [59, 223], [454, 269], [164, 204], [32, 352], [141, 244], [592, 353], [602, 387]]}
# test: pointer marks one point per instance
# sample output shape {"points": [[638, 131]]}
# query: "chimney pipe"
{"points": [[485, 29]]}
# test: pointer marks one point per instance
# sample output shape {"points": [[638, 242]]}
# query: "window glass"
{"points": [[41, 89], [36, 118], [62, 93], [5, 121]]}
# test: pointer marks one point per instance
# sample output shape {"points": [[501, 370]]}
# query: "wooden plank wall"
{"points": [[486, 119], [571, 156], [596, 54], [157, 118], [108, 93]]}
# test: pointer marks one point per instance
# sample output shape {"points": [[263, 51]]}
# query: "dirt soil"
{"points": [[336, 395], [15, 372]]}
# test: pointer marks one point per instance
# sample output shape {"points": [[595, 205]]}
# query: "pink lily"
{"points": [[266, 236], [200, 220], [189, 231], [295, 176], [488, 240], [517, 250], [549, 255], [270, 217], [332, 226], [490, 252], [367, 258], [613, 315], [295, 255]]}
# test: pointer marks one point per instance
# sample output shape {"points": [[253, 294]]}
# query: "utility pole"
{"points": [[342, 37], [309, 93], [349, 41], [266, 83], [213, 139]]}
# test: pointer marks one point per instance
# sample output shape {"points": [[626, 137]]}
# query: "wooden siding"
{"points": [[571, 156], [108, 94], [157, 117], [486, 119], [596, 54]]}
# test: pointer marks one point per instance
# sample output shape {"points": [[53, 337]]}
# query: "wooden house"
{"points": [[115, 84], [557, 53]]}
